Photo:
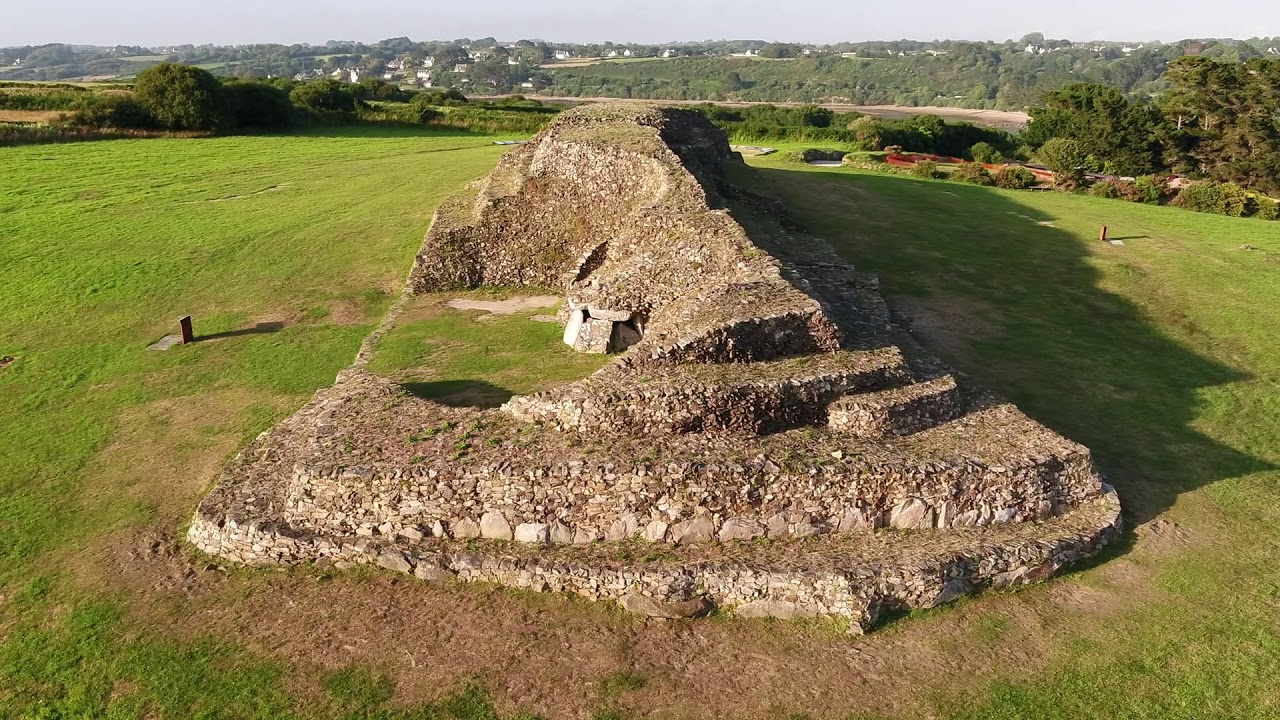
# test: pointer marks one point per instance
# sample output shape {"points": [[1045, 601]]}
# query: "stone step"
{"points": [[896, 411], [735, 397], [743, 322], [855, 577]]}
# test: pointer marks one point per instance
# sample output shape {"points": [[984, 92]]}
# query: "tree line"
{"points": [[1216, 120]]}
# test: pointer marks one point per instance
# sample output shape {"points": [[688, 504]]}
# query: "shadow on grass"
{"points": [[1085, 361], [261, 328], [460, 393]]}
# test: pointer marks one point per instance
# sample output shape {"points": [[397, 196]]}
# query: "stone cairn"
{"points": [[766, 440]]}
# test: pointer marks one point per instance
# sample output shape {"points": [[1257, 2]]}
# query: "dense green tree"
{"points": [[324, 95], [1107, 125], [258, 105], [181, 97], [1066, 157]]}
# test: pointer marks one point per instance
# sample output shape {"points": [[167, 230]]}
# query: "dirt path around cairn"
{"points": [[510, 306]]}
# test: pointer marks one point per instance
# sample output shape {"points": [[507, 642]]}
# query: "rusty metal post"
{"points": [[1103, 236], [187, 335]]}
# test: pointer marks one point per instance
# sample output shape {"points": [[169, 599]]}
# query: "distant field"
{"points": [[29, 116], [1160, 354]]}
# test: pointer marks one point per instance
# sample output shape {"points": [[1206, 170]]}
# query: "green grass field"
{"points": [[1160, 354]]}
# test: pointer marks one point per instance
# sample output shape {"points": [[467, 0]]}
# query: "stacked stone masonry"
{"points": [[763, 426]]}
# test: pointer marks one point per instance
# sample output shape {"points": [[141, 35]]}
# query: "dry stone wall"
{"points": [[764, 437]]}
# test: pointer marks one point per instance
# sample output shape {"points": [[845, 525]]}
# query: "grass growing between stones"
{"points": [[471, 357]]}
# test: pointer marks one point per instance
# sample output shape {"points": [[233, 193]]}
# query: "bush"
{"points": [[1105, 189], [926, 169], [983, 152], [181, 97], [973, 173], [1015, 177], [1217, 198], [1268, 208], [896, 150], [422, 110], [118, 112], [445, 98], [324, 95], [1066, 158], [1235, 201], [1150, 189], [258, 105]]}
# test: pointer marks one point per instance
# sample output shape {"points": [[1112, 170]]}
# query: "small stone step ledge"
{"points": [[850, 587]]}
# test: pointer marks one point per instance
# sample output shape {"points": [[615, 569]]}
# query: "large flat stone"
{"points": [[643, 605]]}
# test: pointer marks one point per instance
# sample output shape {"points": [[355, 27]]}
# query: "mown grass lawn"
{"points": [[103, 246], [1159, 354]]}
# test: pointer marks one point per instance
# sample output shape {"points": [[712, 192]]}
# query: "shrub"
{"points": [[1015, 177], [1105, 189], [867, 133], [1235, 201], [324, 95], [973, 173], [422, 110], [119, 112], [259, 105], [1268, 208], [983, 152], [181, 97], [1150, 189], [895, 150], [1066, 158], [1217, 198], [926, 169]]}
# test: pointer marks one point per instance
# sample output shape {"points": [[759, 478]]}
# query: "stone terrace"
{"points": [[764, 439]]}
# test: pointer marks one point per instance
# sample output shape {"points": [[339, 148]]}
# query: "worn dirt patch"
{"points": [[168, 452], [547, 654], [346, 312], [944, 323], [6, 361], [509, 306]]}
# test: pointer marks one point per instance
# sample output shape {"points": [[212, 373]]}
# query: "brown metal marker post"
{"points": [[187, 335], [1103, 237]]}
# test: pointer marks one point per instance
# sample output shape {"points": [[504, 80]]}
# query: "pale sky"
{"points": [[169, 22]]}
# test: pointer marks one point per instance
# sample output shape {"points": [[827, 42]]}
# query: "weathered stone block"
{"points": [[640, 604], [533, 533], [494, 526]]}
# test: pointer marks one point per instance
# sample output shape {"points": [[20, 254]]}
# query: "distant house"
{"points": [[749, 53], [526, 84], [566, 54], [627, 53], [396, 64], [460, 67], [18, 62], [428, 62], [355, 76], [388, 75], [668, 53], [613, 53], [424, 74], [513, 60]]}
